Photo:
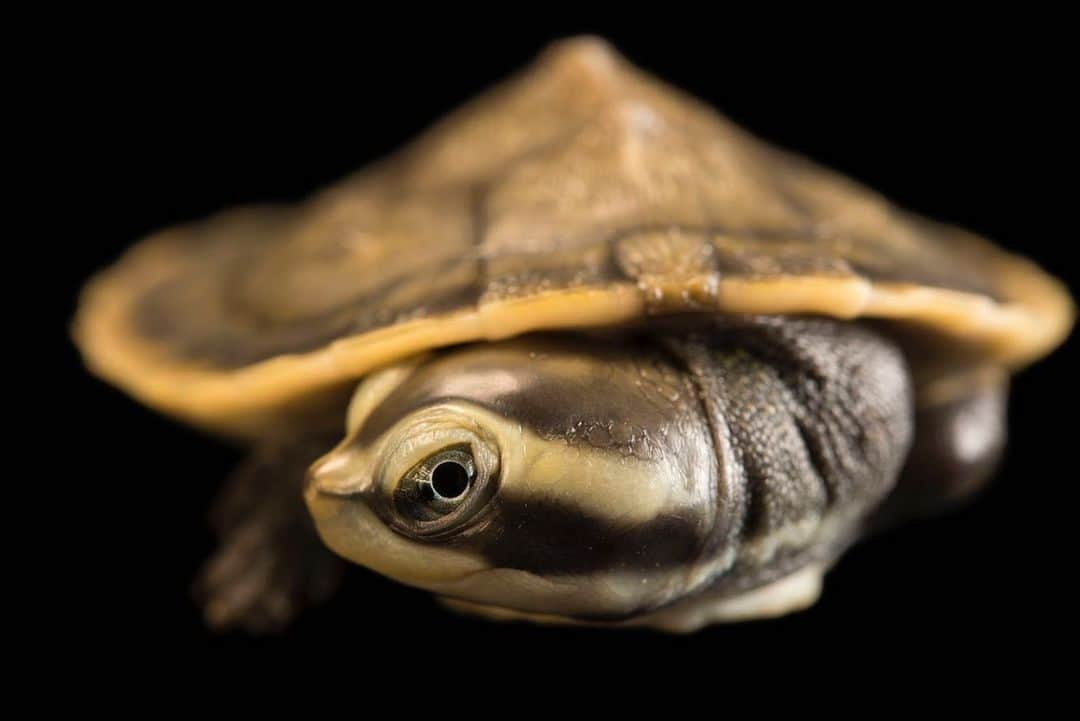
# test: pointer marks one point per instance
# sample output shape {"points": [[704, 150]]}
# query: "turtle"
{"points": [[584, 352]]}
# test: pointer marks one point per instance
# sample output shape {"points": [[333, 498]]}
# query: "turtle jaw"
{"points": [[348, 525]]}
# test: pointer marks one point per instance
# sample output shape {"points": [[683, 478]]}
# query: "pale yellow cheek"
{"points": [[352, 531], [611, 592]]}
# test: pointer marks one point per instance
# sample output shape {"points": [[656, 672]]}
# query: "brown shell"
{"points": [[580, 193]]}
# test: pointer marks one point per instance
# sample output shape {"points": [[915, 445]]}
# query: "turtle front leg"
{"points": [[960, 436], [270, 564]]}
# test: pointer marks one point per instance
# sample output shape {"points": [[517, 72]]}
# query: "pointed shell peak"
{"points": [[585, 53]]}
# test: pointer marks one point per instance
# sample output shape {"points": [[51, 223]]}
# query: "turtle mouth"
{"points": [[349, 527]]}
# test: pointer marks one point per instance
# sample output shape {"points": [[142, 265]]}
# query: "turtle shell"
{"points": [[581, 193]]}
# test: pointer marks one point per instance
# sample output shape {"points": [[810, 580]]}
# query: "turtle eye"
{"points": [[440, 492]]}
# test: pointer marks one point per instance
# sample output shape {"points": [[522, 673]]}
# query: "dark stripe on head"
{"points": [[620, 396], [550, 538]]}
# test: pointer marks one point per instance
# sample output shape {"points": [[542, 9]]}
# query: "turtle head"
{"points": [[534, 475]]}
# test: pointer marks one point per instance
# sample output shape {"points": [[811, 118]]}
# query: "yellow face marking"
{"points": [[354, 532], [375, 388]]}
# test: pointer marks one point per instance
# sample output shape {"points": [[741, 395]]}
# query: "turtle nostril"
{"points": [[449, 480], [338, 474]]}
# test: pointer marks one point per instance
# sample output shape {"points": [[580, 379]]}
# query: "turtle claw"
{"points": [[270, 564], [261, 578]]}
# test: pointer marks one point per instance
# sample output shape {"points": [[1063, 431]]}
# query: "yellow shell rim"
{"points": [[238, 401]]}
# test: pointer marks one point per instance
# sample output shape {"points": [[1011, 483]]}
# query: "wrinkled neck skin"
{"points": [[628, 475]]}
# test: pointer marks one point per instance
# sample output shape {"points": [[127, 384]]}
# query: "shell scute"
{"points": [[581, 193]]}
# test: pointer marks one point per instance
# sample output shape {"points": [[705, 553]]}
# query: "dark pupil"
{"points": [[449, 479]]}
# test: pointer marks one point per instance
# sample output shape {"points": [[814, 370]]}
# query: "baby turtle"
{"points": [[597, 355]]}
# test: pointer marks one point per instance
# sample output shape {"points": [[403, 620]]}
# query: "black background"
{"points": [[157, 124]]}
